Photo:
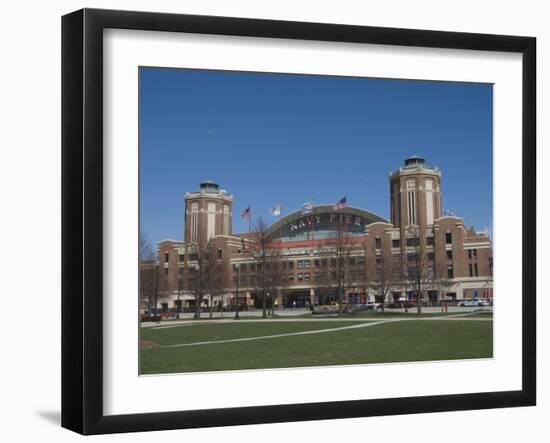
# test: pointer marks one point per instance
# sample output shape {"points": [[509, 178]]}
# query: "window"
{"points": [[448, 238], [211, 221], [166, 257], [225, 220], [471, 271], [378, 259], [300, 276], [449, 255], [290, 265], [429, 202], [243, 267], [307, 264], [450, 272], [300, 264], [316, 263], [219, 254], [396, 271], [351, 276], [415, 241], [333, 262], [411, 202], [324, 262], [180, 272], [165, 271], [475, 253], [430, 241], [395, 243], [360, 260], [378, 243], [475, 269], [181, 258], [290, 277], [470, 256], [351, 261], [316, 276], [431, 256], [307, 276], [194, 221]]}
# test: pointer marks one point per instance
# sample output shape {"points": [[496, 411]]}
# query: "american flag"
{"points": [[246, 213], [340, 204], [307, 207]]}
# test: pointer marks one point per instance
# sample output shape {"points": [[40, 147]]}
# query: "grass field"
{"points": [[195, 346]]}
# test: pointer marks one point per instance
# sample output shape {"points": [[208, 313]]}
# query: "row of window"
{"points": [[414, 241], [303, 264], [350, 276]]}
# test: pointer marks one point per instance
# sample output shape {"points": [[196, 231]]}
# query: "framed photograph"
{"points": [[268, 221]]}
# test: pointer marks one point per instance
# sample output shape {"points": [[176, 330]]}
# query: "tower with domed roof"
{"points": [[208, 213], [415, 194]]}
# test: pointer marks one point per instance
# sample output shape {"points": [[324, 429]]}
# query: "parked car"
{"points": [[478, 302]]}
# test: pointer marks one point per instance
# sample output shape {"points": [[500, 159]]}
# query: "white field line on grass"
{"points": [[327, 320], [288, 334], [364, 324], [264, 321]]}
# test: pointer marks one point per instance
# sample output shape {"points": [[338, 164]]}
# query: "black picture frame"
{"points": [[82, 218]]}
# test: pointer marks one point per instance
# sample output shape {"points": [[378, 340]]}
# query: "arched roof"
{"points": [[367, 216]]}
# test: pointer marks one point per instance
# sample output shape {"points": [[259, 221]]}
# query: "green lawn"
{"points": [[399, 341]]}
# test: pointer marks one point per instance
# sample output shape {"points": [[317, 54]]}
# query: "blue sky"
{"points": [[276, 137]]}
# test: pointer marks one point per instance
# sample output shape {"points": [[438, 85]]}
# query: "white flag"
{"points": [[276, 211]]}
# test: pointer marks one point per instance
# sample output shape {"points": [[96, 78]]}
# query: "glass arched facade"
{"points": [[323, 222]]}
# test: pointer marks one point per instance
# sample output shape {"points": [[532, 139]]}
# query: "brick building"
{"points": [[302, 258]]}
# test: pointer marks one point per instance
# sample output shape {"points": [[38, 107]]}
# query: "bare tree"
{"points": [[274, 277], [216, 279], [325, 282], [385, 281], [341, 270], [199, 273], [262, 258], [420, 266], [148, 273]]}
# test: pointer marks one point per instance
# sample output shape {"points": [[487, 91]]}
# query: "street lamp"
{"points": [[237, 294]]}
